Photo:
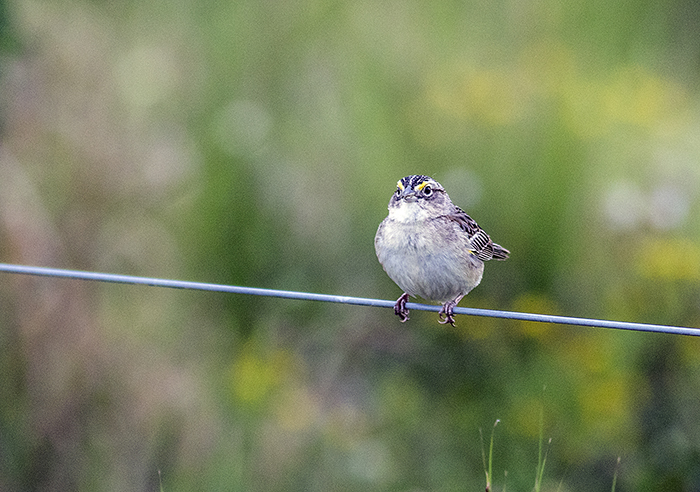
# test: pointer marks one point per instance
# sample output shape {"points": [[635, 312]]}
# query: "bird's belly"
{"points": [[422, 269]]}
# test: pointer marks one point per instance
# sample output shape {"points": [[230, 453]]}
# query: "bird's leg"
{"points": [[400, 307], [447, 311]]}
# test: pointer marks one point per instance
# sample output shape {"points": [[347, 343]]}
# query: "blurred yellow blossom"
{"points": [[491, 95], [254, 376], [607, 402], [499, 93], [669, 259]]}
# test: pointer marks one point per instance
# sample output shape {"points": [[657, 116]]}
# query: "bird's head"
{"points": [[417, 195]]}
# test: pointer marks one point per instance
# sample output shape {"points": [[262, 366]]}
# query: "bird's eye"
{"points": [[398, 191], [427, 190]]}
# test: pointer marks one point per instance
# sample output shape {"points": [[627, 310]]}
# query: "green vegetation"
{"points": [[258, 143]]}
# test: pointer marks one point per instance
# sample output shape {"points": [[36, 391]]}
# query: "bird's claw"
{"points": [[447, 311], [400, 308], [446, 314]]}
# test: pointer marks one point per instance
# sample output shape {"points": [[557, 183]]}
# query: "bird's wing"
{"points": [[480, 242]]}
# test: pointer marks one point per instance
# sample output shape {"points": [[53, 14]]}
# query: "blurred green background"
{"points": [[257, 143]]}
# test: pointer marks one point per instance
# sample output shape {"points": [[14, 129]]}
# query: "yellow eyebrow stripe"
{"points": [[421, 186], [399, 184]]}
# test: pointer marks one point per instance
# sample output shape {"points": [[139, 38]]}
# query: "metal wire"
{"points": [[359, 301]]}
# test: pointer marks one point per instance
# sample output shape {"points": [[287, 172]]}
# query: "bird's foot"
{"points": [[446, 313], [400, 307]]}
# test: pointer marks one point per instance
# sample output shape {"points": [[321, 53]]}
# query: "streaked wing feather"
{"points": [[467, 224], [481, 243]]}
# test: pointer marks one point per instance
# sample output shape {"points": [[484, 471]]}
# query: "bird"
{"points": [[431, 248]]}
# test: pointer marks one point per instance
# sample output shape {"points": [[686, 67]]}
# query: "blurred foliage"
{"points": [[258, 143]]}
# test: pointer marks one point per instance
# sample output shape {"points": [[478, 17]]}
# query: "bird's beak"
{"points": [[408, 194]]}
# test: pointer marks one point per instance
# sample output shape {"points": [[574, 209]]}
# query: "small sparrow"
{"points": [[432, 248]]}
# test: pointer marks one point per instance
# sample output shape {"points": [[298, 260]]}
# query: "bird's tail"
{"points": [[499, 252]]}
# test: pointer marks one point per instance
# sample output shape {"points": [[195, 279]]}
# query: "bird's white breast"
{"points": [[410, 212]]}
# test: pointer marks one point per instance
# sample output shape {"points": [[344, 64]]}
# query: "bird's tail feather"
{"points": [[499, 252]]}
